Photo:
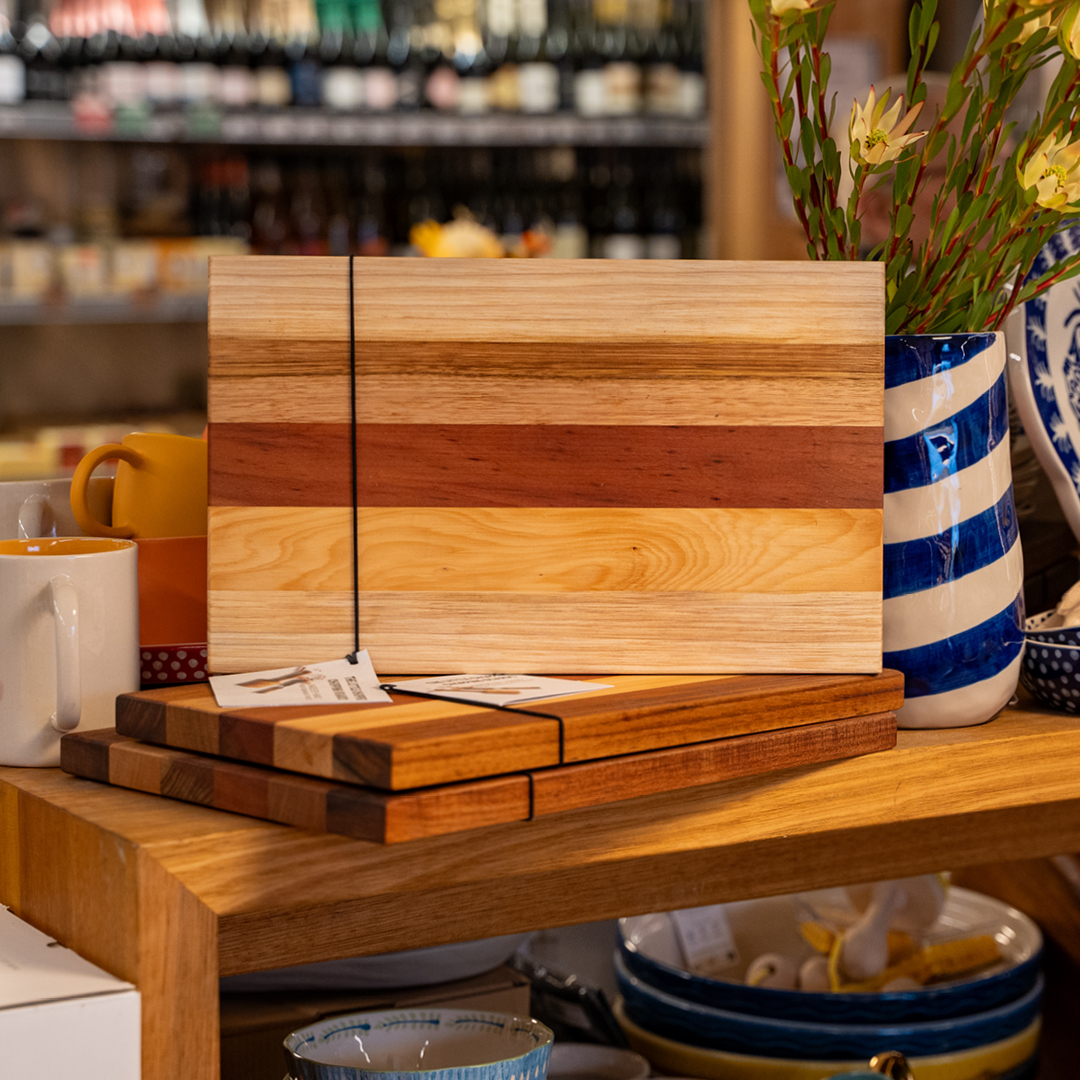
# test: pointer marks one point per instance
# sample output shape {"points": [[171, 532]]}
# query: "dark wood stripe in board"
{"points": [[516, 465], [719, 358], [86, 753]]}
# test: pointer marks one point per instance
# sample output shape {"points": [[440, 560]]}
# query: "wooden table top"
{"points": [[280, 896]]}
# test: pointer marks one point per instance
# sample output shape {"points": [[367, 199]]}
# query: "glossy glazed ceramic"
{"points": [[1051, 669], [421, 1044], [590, 1061], [650, 949], [1044, 338], [160, 489], [68, 640], [43, 507], [953, 569], [1013, 1058], [720, 1029]]}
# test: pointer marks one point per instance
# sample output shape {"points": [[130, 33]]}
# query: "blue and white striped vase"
{"points": [[954, 572]]}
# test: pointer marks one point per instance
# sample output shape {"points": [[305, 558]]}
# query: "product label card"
{"points": [[705, 938], [497, 689], [336, 682]]}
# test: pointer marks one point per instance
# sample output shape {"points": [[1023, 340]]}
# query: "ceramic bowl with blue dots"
{"points": [[1051, 669], [420, 1044]]}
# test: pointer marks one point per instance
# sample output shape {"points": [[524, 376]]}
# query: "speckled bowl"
{"points": [[1050, 672], [420, 1044]]}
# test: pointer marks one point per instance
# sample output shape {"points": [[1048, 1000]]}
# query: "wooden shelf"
{"points": [[321, 127], [156, 891]]}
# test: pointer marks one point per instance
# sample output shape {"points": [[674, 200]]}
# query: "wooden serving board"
{"points": [[587, 466], [367, 814], [417, 743]]}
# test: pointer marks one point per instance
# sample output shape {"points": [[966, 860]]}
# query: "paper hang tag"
{"points": [[498, 689], [705, 938], [336, 682]]}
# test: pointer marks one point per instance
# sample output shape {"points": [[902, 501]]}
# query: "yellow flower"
{"points": [[875, 135], [787, 7], [1027, 9], [1054, 171], [1069, 32], [461, 238]]}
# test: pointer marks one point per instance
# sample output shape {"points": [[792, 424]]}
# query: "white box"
{"points": [[61, 1017]]}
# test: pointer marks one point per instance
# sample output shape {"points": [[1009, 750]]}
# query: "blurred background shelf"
{"points": [[121, 311], [313, 127]]}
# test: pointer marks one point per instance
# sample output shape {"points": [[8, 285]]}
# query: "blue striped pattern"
{"points": [[925, 595], [950, 445], [968, 546], [957, 661], [910, 358]]}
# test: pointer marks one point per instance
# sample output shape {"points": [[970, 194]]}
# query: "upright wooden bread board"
{"points": [[588, 466]]}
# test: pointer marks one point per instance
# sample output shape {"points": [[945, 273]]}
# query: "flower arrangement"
{"points": [[991, 195]]}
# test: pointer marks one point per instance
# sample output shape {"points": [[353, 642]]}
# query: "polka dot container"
{"points": [[171, 665], [1051, 669]]}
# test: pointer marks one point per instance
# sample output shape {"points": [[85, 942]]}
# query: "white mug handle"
{"points": [[65, 603], [33, 515]]}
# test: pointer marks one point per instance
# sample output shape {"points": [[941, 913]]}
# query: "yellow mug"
{"points": [[160, 487]]}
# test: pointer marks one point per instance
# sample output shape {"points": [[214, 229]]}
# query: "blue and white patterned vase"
{"points": [[954, 608]]}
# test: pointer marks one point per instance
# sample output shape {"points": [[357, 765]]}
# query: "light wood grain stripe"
{"points": [[528, 550], [546, 465], [429, 631], [463, 300], [710, 399]]}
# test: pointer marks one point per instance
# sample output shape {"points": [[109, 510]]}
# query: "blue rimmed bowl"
{"points": [[420, 1044], [719, 1029], [649, 949]]}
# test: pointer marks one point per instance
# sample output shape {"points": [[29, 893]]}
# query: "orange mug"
{"points": [[160, 487]]}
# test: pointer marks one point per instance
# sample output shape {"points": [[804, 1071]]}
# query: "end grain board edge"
{"points": [[413, 743], [364, 814]]}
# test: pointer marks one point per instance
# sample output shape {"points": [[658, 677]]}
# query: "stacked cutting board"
{"points": [[531, 466], [424, 767]]}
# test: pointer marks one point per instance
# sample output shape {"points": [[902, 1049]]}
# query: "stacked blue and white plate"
{"points": [[688, 1024]]}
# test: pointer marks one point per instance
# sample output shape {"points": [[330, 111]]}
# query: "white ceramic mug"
{"points": [[69, 640], [43, 507]]}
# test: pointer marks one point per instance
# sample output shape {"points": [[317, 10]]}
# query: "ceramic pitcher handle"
{"points": [[65, 604], [80, 482]]}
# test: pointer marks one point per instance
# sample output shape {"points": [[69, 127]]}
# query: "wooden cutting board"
{"points": [[416, 743], [367, 814], [588, 466]]}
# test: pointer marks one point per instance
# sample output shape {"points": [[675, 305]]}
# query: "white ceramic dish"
{"points": [[415, 967], [1044, 339], [590, 1061]]}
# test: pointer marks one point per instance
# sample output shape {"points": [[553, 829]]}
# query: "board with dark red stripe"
{"points": [[414, 742], [369, 814], [594, 466]]}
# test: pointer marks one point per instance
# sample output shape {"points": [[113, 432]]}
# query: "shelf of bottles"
{"points": [[355, 72]]}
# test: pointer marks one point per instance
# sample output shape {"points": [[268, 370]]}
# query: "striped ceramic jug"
{"points": [[953, 577]]}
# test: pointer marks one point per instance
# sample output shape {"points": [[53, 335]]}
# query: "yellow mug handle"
{"points": [[80, 507]]}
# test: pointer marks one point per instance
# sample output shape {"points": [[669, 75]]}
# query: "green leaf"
{"points": [[926, 18]]}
